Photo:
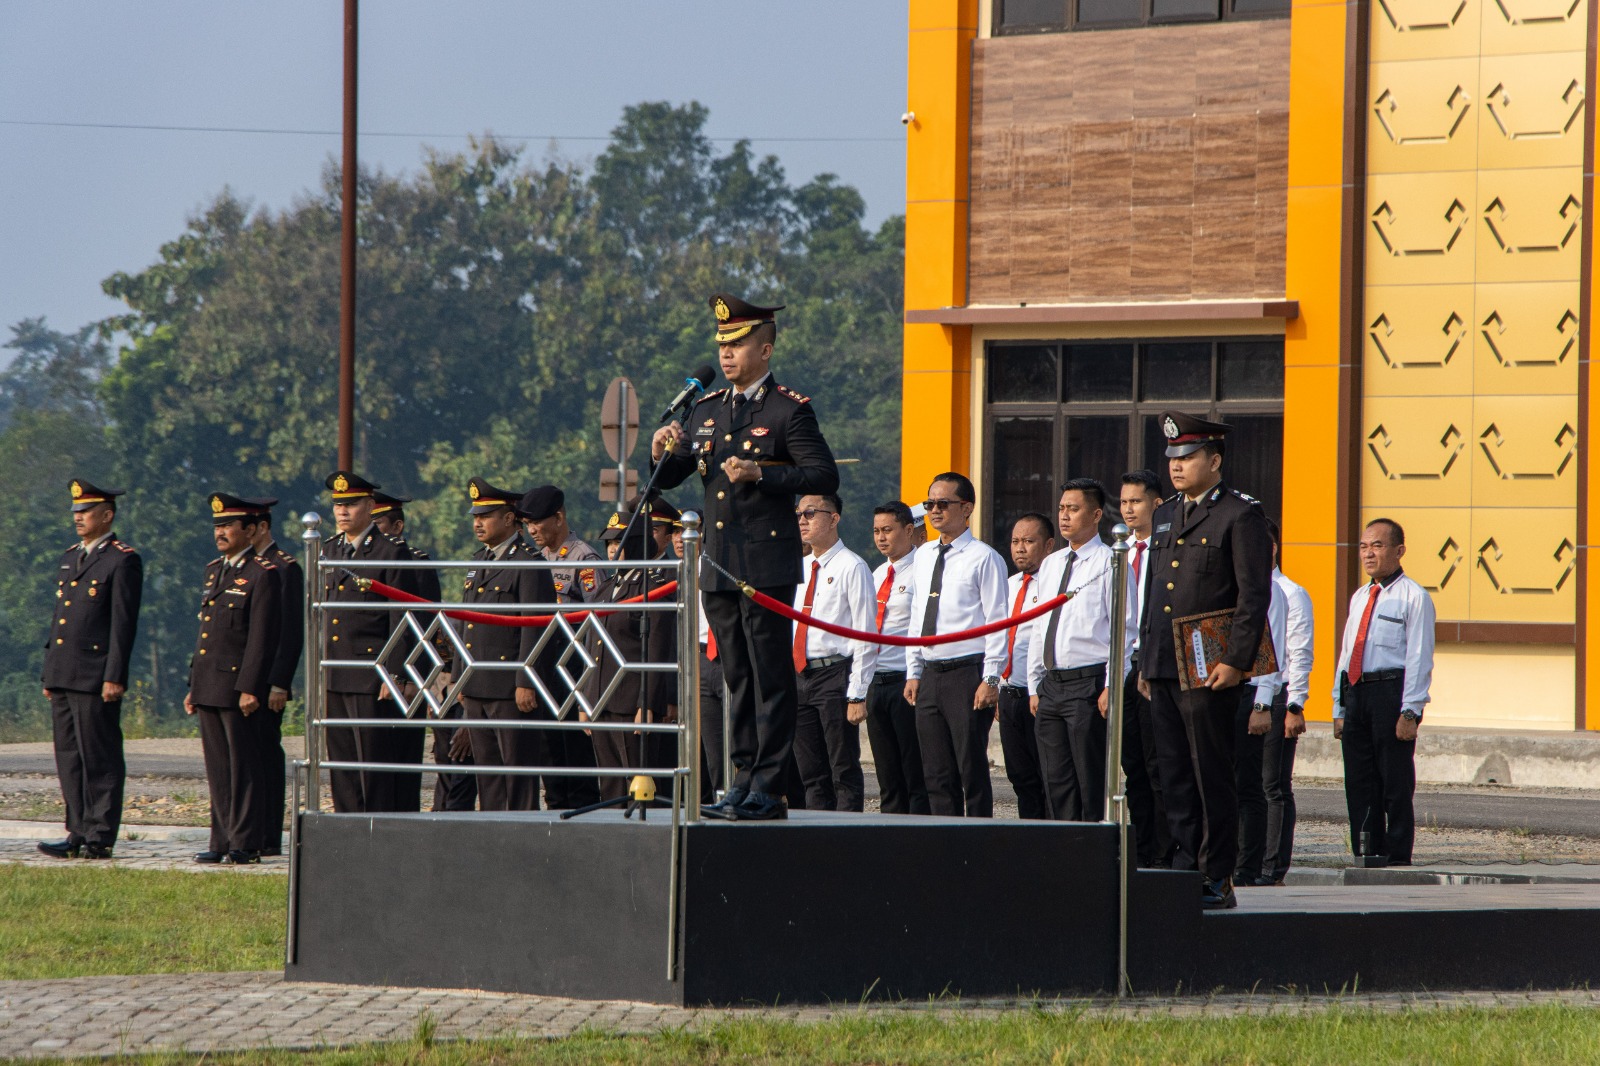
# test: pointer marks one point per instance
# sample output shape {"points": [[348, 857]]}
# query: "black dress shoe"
{"points": [[1218, 896], [760, 807], [273, 853], [210, 858], [723, 808], [244, 858], [95, 851], [61, 849], [1265, 881]]}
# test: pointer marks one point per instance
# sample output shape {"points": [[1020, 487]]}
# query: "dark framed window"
{"points": [[1059, 410], [1054, 16]]}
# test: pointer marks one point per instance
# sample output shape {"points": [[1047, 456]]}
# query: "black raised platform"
{"points": [[834, 907]]}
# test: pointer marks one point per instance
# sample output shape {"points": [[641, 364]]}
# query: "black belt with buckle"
{"points": [[953, 664], [886, 676], [826, 660], [1077, 672], [1375, 675]]}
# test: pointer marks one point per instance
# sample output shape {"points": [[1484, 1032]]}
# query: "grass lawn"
{"points": [[84, 920], [1546, 1036]]}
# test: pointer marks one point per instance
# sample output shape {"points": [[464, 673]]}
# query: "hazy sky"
{"points": [[819, 83]]}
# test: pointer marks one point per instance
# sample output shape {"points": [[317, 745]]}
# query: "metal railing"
{"points": [[1116, 809], [577, 653]]}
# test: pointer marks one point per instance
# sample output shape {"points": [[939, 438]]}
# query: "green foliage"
{"points": [[82, 920], [496, 299]]}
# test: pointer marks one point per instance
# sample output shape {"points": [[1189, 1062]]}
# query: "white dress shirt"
{"points": [[896, 609], [1083, 636], [972, 593], [845, 596], [704, 626], [1267, 685], [1294, 652], [1400, 637], [1019, 649], [1137, 587]]}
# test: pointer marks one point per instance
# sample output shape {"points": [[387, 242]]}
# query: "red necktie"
{"points": [[1360, 649], [1138, 553], [883, 595], [711, 646], [1011, 634], [802, 629]]}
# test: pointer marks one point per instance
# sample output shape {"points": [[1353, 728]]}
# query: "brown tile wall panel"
{"points": [[1130, 164]]}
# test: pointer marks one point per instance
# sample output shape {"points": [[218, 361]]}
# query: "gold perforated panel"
{"points": [[1474, 131]]}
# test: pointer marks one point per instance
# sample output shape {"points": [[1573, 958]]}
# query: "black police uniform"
{"points": [[353, 691], [574, 583], [285, 667], [240, 621], [750, 530], [91, 638], [1217, 557], [491, 694]]}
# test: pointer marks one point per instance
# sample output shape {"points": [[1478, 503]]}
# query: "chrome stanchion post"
{"points": [[315, 687], [689, 660], [1116, 790]]}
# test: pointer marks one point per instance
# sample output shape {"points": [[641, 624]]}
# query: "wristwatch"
{"points": [[993, 681], [1415, 716], [1295, 708], [1261, 708]]}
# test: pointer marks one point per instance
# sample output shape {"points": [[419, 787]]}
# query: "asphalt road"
{"points": [[1499, 809]]}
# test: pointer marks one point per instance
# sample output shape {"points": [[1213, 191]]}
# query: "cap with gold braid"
{"points": [[486, 498], [614, 526], [1186, 433], [736, 317], [347, 486], [226, 508], [389, 503], [85, 495]]}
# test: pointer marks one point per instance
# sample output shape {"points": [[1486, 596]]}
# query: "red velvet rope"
{"points": [[907, 642], [389, 592]]}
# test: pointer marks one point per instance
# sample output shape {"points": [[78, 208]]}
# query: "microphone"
{"points": [[693, 388]]}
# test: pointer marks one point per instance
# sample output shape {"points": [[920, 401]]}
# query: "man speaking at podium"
{"points": [[756, 447]]}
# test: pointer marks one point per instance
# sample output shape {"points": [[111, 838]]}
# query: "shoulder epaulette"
{"points": [[392, 539], [795, 396], [418, 553], [1246, 497], [124, 547], [265, 563], [1172, 498], [710, 396]]}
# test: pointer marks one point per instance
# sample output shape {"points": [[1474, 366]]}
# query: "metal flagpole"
{"points": [[312, 539], [1116, 788]]}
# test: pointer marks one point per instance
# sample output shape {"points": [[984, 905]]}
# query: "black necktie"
{"points": [[1055, 615], [1188, 511], [739, 400], [930, 616]]}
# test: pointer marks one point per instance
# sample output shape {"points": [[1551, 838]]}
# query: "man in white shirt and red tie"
{"points": [[955, 687], [1069, 668], [1032, 539], [891, 721], [833, 671], [1141, 494], [1379, 691]]}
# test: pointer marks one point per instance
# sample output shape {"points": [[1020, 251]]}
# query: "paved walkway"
{"points": [[159, 847], [97, 1016]]}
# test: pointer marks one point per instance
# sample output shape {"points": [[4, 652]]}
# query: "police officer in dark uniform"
{"points": [[1209, 551], [504, 695], [230, 678], [757, 448], [99, 582], [451, 792], [544, 516], [351, 633], [285, 665]]}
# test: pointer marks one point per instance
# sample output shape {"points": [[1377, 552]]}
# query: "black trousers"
{"points": [[827, 748], [615, 749], [505, 747], [1020, 743], [896, 753], [231, 745], [754, 646], [1142, 780], [1247, 753], [1380, 770], [1277, 778], [711, 746], [273, 771], [955, 740], [88, 742], [364, 791], [452, 792], [1072, 747], [1194, 753], [574, 749]]}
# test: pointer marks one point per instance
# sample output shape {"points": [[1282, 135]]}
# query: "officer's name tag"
{"points": [[1163, 527], [1199, 653], [236, 592], [705, 431]]}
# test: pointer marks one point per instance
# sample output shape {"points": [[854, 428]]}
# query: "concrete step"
{"points": [[1531, 873]]}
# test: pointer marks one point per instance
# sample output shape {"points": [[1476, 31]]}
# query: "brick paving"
{"points": [[141, 854], [198, 1013]]}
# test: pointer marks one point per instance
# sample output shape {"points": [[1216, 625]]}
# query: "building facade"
{"points": [[1353, 230]]}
